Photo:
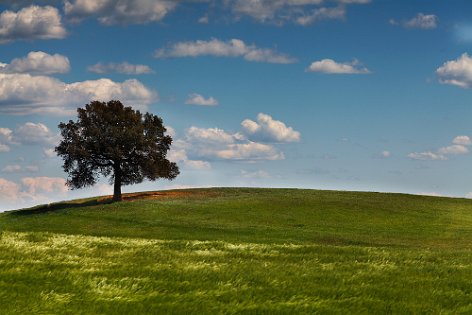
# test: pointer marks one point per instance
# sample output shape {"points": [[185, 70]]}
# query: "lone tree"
{"points": [[114, 141]]}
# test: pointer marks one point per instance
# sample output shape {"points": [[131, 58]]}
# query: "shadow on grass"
{"points": [[60, 206]]}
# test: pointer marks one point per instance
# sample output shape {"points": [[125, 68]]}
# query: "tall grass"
{"points": [[240, 251]]}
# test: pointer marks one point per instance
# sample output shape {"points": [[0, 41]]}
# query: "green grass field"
{"points": [[240, 251]]}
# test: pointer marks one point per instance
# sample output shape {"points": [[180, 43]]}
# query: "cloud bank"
{"points": [[218, 48]]}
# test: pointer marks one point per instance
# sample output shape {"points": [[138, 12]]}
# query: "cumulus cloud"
{"points": [[35, 185], [6, 138], [124, 67], [218, 48], [9, 192], [421, 21], [216, 144], [454, 149], [30, 191], [197, 99], [38, 62], [211, 135], [330, 66], [199, 146], [457, 72], [427, 156], [267, 129], [35, 133], [179, 155], [459, 146], [49, 152], [33, 22], [251, 151], [111, 12], [462, 140], [23, 94]]}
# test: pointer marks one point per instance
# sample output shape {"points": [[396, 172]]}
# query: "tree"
{"points": [[114, 141]]}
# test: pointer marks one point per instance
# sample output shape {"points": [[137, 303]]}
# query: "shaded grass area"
{"points": [[262, 215], [240, 251]]}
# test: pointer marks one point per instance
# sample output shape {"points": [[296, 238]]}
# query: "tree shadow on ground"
{"points": [[52, 207]]}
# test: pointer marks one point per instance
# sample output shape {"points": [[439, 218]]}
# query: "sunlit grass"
{"points": [[241, 251]]}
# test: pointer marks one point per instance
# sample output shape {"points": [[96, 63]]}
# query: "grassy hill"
{"points": [[239, 251]]}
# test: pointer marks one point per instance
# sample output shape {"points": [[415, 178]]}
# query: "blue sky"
{"points": [[326, 94]]}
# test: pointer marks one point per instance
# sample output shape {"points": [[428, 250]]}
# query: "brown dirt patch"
{"points": [[163, 195]]}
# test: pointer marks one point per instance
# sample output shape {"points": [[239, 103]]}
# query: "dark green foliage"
{"points": [[114, 141]]}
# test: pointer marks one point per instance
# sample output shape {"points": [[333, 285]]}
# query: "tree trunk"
{"points": [[117, 185]]}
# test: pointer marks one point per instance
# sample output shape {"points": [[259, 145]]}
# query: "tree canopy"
{"points": [[114, 141]]}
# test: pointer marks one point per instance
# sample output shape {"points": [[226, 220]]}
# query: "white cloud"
{"points": [[266, 10], [6, 134], [302, 12], [49, 152], [197, 99], [33, 22], [171, 131], [12, 168], [462, 140], [35, 133], [458, 147], [203, 20], [23, 94], [111, 12], [201, 144], [269, 130], [469, 195], [9, 192], [250, 151], [6, 137], [332, 67], [38, 62], [123, 67], [454, 149], [385, 154], [322, 14], [210, 135], [218, 48], [422, 21], [197, 164], [456, 72], [427, 156], [35, 185], [179, 155], [30, 191]]}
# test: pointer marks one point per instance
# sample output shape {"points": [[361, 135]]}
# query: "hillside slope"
{"points": [[240, 250]]}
